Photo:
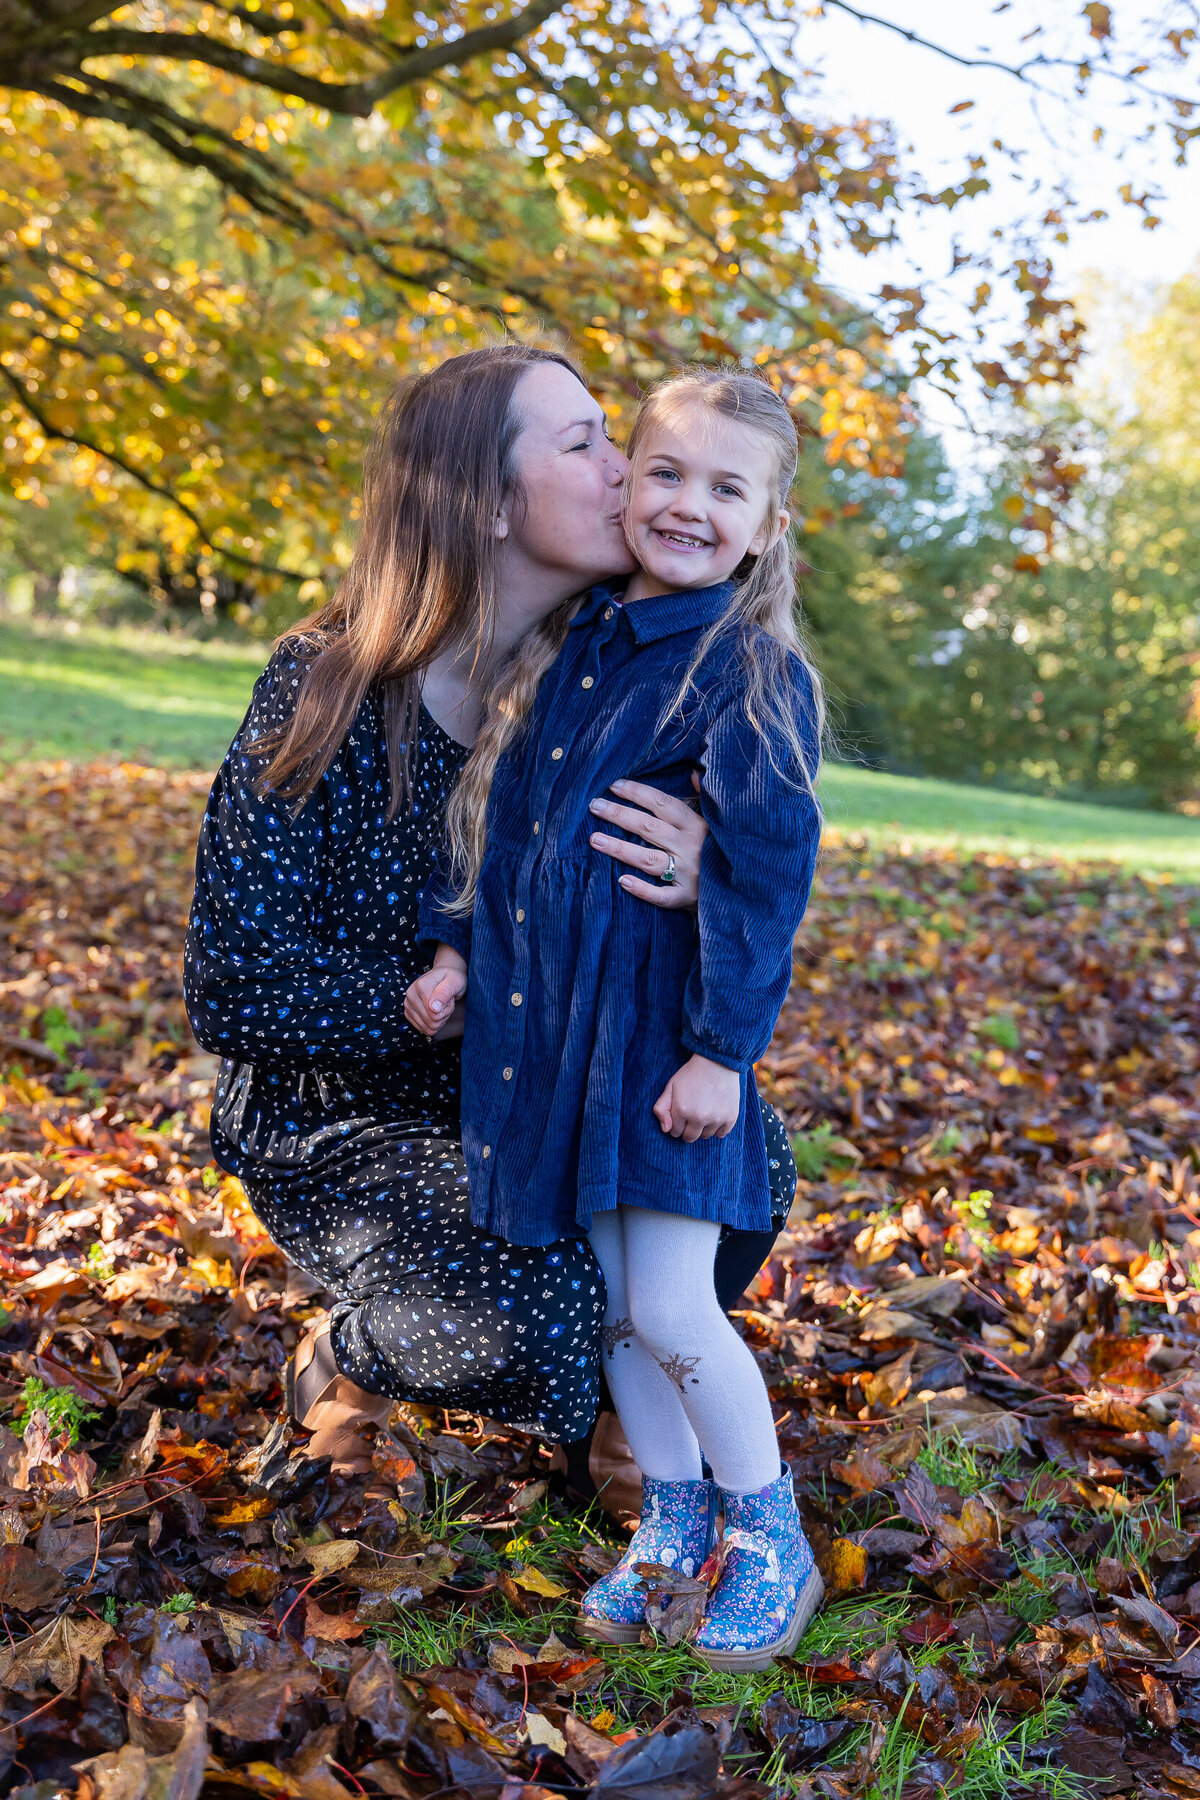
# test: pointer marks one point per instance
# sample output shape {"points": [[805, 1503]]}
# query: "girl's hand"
{"points": [[430, 1001], [670, 827], [702, 1100], [453, 1028]]}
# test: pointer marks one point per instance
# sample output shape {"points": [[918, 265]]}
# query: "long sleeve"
{"points": [[436, 923], [264, 977], [756, 869]]}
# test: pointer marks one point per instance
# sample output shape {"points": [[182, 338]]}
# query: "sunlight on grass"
{"points": [[417, 1640], [171, 702], [950, 1463], [175, 702], [947, 814]]}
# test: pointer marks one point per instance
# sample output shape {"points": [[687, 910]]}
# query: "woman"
{"points": [[319, 834]]}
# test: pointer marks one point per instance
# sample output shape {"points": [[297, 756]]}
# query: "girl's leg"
{"points": [[674, 1310], [652, 1416]]}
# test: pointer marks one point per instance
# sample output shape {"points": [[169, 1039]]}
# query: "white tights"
{"points": [[681, 1378]]}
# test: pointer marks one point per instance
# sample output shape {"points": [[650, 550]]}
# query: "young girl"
{"points": [[608, 1049]]}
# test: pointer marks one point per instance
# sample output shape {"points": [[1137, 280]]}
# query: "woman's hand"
{"points": [[669, 827], [701, 1100]]}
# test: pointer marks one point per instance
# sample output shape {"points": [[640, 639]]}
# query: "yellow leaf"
{"points": [[847, 1567], [244, 1512], [216, 1274], [269, 1780], [534, 1582]]}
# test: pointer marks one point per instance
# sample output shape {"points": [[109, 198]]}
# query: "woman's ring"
{"points": [[668, 875]]}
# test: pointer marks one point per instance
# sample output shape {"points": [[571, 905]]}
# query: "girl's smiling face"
{"points": [[702, 497]]}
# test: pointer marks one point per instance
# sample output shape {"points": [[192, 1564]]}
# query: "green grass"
{"points": [[120, 695], [174, 702], [640, 1684], [949, 814]]}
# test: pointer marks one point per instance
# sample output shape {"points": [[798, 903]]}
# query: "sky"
{"points": [[867, 71]]}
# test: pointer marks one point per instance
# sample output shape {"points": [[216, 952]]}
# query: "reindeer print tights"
{"points": [[683, 1381]]}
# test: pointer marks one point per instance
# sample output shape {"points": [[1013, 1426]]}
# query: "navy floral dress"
{"points": [[341, 1122]]}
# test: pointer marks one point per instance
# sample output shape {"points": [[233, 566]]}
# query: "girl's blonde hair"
{"points": [[764, 604]]}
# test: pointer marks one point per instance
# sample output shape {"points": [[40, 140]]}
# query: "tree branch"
{"points": [[181, 138], [64, 435], [55, 19], [356, 99], [646, 177], [1019, 71]]}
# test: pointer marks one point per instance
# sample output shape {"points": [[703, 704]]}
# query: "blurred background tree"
{"points": [[226, 229]]}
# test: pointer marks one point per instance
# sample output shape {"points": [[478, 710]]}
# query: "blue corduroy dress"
{"points": [[582, 1001]]}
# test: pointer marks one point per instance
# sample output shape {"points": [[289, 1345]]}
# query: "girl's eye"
{"points": [[669, 474], [724, 487]]}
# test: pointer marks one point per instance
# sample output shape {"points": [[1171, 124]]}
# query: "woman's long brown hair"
{"points": [[440, 468]]}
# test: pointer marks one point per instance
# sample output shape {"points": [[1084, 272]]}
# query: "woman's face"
{"points": [[568, 533]]}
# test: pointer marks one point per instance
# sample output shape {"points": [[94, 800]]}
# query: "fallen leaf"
{"points": [[329, 1558], [534, 1582], [53, 1655], [539, 1731], [332, 1628], [846, 1571]]}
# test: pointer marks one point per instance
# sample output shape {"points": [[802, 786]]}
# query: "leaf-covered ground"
{"points": [[980, 1330]]}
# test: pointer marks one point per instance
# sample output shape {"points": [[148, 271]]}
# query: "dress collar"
{"points": [[661, 615]]}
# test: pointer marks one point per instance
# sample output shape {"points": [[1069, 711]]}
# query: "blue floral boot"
{"points": [[675, 1529], [769, 1587]]}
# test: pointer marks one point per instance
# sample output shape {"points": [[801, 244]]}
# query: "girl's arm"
{"points": [[258, 982], [756, 869]]}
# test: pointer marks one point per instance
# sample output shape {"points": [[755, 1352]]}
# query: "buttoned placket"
{"points": [[558, 731]]}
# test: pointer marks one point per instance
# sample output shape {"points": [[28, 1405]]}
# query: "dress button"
{"points": [[508, 1074], [520, 915], [516, 999], [556, 753], [608, 612], [536, 827], [487, 1151], [587, 681]]}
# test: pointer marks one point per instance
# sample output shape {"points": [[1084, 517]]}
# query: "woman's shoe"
{"points": [[322, 1400], [769, 1587], [675, 1529]]}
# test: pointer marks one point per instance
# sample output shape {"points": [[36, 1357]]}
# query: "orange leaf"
{"points": [[334, 1628], [243, 1512]]}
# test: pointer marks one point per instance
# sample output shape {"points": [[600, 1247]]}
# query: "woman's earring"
{"points": [[500, 528]]}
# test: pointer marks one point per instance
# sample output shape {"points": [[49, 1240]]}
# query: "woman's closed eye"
{"points": [[589, 442]]}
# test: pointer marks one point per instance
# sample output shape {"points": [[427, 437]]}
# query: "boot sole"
{"points": [[808, 1601], [608, 1631]]}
